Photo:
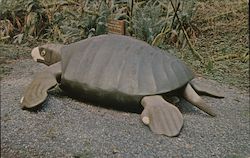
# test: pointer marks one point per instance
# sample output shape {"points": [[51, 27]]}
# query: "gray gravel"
{"points": [[68, 128]]}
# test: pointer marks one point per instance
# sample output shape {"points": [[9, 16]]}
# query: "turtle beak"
{"points": [[36, 55]]}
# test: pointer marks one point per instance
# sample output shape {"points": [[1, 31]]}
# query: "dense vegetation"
{"points": [[215, 31], [68, 21]]}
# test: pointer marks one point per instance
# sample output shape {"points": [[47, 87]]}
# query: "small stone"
{"points": [[115, 151]]}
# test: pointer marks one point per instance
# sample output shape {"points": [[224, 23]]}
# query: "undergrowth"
{"points": [[224, 41]]}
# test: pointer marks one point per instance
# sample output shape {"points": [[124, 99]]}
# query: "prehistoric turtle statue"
{"points": [[120, 69]]}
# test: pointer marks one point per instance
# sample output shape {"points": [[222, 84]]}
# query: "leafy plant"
{"points": [[26, 17], [68, 21], [147, 21], [64, 20]]}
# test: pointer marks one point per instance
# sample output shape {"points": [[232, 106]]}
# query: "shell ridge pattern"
{"points": [[153, 77], [84, 58], [181, 71], [135, 71], [177, 71], [71, 58], [167, 80], [120, 64], [159, 72], [137, 75], [125, 66], [91, 62], [140, 72], [146, 83], [123, 63], [99, 62], [188, 72], [104, 69], [180, 76], [115, 64], [65, 58], [171, 76]]}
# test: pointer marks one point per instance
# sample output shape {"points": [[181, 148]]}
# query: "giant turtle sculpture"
{"points": [[121, 69]]}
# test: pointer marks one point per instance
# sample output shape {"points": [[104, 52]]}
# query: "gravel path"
{"points": [[69, 128]]}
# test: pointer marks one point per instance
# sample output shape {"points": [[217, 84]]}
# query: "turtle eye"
{"points": [[43, 53]]}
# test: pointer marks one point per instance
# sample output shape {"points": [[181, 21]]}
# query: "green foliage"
{"points": [[21, 19], [64, 21], [148, 21], [156, 22], [68, 21]]}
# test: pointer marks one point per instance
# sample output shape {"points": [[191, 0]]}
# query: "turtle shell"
{"points": [[120, 68]]}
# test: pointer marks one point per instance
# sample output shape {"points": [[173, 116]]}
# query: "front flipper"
{"points": [[161, 116], [36, 92]]}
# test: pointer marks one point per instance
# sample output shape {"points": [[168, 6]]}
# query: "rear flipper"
{"points": [[190, 95], [36, 92], [204, 86], [161, 116]]}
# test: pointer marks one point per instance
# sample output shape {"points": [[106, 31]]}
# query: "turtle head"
{"points": [[47, 54]]}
